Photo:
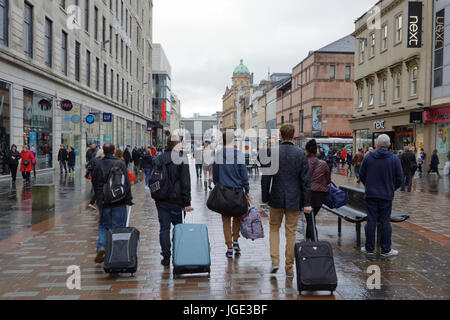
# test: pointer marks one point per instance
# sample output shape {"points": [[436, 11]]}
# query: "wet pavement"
{"points": [[34, 255]]}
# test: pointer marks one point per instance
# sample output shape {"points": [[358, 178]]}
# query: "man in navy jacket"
{"points": [[381, 173]]}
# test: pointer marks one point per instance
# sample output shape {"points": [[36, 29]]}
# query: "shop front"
{"points": [[38, 126], [399, 127], [5, 125], [93, 127], [440, 117], [71, 128], [108, 128]]}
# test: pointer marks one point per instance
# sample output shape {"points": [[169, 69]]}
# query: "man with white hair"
{"points": [[381, 173]]}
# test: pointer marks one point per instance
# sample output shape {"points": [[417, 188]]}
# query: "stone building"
{"points": [[74, 75], [318, 98], [393, 75]]}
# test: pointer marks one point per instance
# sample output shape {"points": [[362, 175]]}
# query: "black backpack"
{"points": [[114, 188], [160, 183]]}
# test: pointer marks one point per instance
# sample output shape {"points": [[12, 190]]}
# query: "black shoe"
{"points": [[165, 262]]}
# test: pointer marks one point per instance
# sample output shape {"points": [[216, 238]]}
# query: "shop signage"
{"points": [[66, 105], [90, 119], [163, 117], [438, 115], [107, 117], [339, 134], [45, 104], [414, 25], [439, 29], [416, 117], [149, 129], [378, 125], [75, 118]]}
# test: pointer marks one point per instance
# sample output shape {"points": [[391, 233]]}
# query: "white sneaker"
{"points": [[391, 253], [92, 207], [363, 250], [275, 267]]}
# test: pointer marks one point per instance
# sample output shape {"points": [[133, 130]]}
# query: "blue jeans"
{"points": [[167, 214], [357, 171], [378, 210], [110, 218], [147, 172]]}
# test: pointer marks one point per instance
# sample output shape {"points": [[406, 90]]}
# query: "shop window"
{"points": [[413, 81], [38, 126], [5, 125], [397, 86]]}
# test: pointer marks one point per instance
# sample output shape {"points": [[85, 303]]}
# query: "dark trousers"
{"points": [[93, 196], [378, 211], [168, 214], [13, 169], [434, 170], [63, 164], [198, 170], [26, 175], [317, 199], [407, 180], [110, 218]]}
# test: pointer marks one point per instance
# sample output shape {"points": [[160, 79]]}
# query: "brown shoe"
{"points": [[100, 256]]}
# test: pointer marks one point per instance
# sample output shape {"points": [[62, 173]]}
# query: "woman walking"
{"points": [[127, 157], [171, 207], [12, 158], [26, 164], [320, 179], [434, 163], [72, 161]]}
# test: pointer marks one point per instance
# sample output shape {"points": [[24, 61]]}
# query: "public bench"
{"points": [[355, 211]]}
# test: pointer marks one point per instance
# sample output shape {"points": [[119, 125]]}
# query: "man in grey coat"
{"points": [[288, 195]]}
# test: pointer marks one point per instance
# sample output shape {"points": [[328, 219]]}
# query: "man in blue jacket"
{"points": [[381, 173]]}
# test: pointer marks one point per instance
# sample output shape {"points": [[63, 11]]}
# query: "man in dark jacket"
{"points": [[409, 166], [91, 153], [63, 157], [290, 193], [111, 215], [381, 173], [12, 157], [170, 209]]}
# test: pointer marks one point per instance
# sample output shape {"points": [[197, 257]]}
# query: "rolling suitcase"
{"points": [[191, 249], [122, 247], [315, 265]]}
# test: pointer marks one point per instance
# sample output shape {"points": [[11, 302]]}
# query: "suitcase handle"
{"points": [[128, 217], [316, 236], [183, 216]]}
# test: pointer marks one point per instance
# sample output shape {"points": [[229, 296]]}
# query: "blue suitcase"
{"points": [[191, 249]]}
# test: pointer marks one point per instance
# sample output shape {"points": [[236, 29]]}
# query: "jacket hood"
{"points": [[381, 154]]}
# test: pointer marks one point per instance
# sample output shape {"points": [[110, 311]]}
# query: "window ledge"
{"points": [[396, 101]]}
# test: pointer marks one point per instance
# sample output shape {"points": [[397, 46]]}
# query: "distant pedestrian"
{"points": [[369, 151], [112, 215], [434, 163], [287, 192], [12, 158], [421, 159], [136, 159], [127, 157], [381, 173], [409, 167], [147, 166], [319, 181], [357, 161], [331, 160], [33, 164], [118, 154], [349, 162], [229, 170], [90, 154], [208, 161], [198, 157], [63, 157], [26, 164], [170, 207], [72, 159]]}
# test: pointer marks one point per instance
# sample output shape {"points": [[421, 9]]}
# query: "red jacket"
{"points": [[26, 156], [320, 174]]}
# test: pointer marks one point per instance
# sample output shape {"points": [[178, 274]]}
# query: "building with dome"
{"points": [[234, 97]]}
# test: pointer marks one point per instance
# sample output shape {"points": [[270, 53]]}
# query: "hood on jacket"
{"points": [[381, 154]]}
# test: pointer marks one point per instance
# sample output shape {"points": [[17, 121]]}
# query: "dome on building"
{"points": [[241, 68]]}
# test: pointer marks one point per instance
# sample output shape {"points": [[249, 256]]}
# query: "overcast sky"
{"points": [[205, 39]]}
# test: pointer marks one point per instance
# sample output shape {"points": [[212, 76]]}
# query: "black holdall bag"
{"points": [[315, 264], [227, 201]]}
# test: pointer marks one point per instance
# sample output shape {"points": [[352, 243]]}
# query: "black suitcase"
{"points": [[122, 247], [315, 265]]}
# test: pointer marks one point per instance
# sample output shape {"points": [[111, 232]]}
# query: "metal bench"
{"points": [[355, 211]]}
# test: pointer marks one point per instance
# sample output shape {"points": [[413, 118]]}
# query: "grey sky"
{"points": [[205, 39]]}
